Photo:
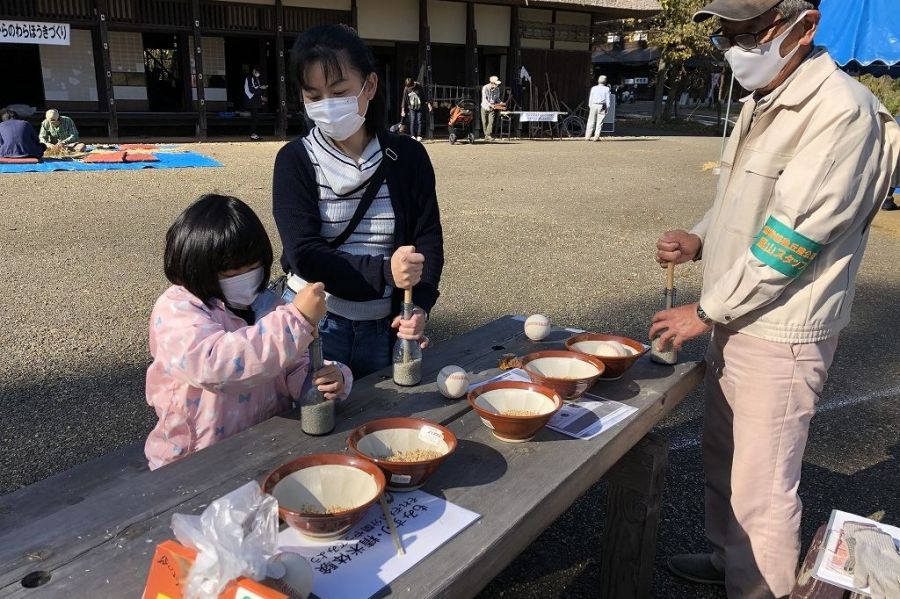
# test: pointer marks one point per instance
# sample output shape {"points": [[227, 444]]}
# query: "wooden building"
{"points": [[180, 64]]}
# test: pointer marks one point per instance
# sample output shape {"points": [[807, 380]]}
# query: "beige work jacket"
{"points": [[803, 175]]}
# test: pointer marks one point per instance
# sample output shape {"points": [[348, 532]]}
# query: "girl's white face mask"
{"points": [[241, 290], [338, 118], [757, 68]]}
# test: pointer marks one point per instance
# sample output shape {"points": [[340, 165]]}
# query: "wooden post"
{"points": [[103, 28], [471, 47], [514, 62], [184, 51], [553, 29], [99, 71], [472, 60], [425, 59], [633, 502], [423, 25], [200, 78], [281, 128], [354, 15]]}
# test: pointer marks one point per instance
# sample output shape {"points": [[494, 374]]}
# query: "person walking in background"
{"points": [[59, 131], [490, 99], [598, 102], [17, 138], [812, 157], [414, 106], [253, 91]]}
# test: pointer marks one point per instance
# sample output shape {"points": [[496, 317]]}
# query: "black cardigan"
{"points": [[417, 222]]}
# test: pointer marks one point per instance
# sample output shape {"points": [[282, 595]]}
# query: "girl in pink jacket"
{"points": [[227, 353]]}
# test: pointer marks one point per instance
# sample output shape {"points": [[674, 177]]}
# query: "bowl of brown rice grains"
{"points": [[515, 411], [408, 450], [323, 495]]}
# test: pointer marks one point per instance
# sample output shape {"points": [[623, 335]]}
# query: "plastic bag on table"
{"points": [[234, 536]]}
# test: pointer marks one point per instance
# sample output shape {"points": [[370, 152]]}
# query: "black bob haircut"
{"points": [[214, 234], [336, 46]]}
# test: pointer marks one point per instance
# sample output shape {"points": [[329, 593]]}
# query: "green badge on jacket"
{"points": [[784, 249]]}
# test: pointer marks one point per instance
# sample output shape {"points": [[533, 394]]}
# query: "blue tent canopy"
{"points": [[864, 31]]}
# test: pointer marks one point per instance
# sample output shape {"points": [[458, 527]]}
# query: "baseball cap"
{"points": [[738, 10], [494, 79]]}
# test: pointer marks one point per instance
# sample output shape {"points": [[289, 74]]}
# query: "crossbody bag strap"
{"points": [[368, 197]]}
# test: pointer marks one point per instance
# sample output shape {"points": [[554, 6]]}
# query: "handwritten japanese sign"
{"points": [[30, 32], [366, 561]]}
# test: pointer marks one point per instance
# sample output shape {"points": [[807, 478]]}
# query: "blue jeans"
{"points": [[363, 345], [415, 123]]}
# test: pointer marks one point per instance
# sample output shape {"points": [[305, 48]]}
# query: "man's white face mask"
{"points": [[757, 68]]}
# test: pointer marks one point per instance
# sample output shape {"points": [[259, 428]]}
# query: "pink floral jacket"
{"points": [[213, 376]]}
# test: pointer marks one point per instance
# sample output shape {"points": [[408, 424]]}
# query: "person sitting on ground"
{"points": [[60, 131], [227, 352], [17, 138]]}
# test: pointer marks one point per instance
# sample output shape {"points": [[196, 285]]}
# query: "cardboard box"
{"points": [[170, 567]]}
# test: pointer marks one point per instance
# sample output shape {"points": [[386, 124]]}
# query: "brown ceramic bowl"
{"points": [[568, 373], [494, 401], [306, 487], [597, 345], [380, 439]]}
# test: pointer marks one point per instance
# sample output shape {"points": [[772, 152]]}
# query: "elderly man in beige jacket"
{"points": [[811, 158]]}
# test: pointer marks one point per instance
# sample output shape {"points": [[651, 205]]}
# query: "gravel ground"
{"points": [[562, 228]]}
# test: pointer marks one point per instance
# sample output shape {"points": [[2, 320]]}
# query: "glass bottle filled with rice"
{"points": [[407, 352], [317, 414]]}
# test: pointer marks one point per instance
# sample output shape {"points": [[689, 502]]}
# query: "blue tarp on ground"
{"points": [[166, 160], [865, 31]]}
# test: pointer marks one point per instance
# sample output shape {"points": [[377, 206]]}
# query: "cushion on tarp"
{"points": [[140, 157], [105, 157], [138, 147], [28, 160]]}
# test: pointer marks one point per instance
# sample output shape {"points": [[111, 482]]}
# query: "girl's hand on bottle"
{"points": [[310, 301], [412, 329], [406, 267], [329, 381]]}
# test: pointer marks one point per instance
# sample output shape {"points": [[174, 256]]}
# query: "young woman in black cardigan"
{"points": [[319, 183]]}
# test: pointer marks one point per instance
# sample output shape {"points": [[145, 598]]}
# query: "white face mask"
{"points": [[757, 68], [338, 118], [241, 290]]}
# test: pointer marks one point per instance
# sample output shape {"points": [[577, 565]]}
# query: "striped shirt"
{"points": [[342, 181]]}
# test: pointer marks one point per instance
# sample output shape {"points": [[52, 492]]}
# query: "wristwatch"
{"points": [[702, 316]]}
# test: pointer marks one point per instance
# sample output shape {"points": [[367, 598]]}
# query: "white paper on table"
{"points": [[589, 416], [514, 375], [367, 560], [585, 418], [828, 566]]}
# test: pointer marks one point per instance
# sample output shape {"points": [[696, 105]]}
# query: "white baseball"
{"points": [[537, 327], [611, 349], [453, 382]]}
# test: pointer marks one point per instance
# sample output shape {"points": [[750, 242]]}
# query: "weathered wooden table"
{"points": [[92, 531]]}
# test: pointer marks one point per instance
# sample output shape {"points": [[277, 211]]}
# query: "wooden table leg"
{"points": [[628, 549]]}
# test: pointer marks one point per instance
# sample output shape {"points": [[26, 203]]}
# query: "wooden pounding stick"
{"points": [[407, 301], [670, 285], [398, 543]]}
